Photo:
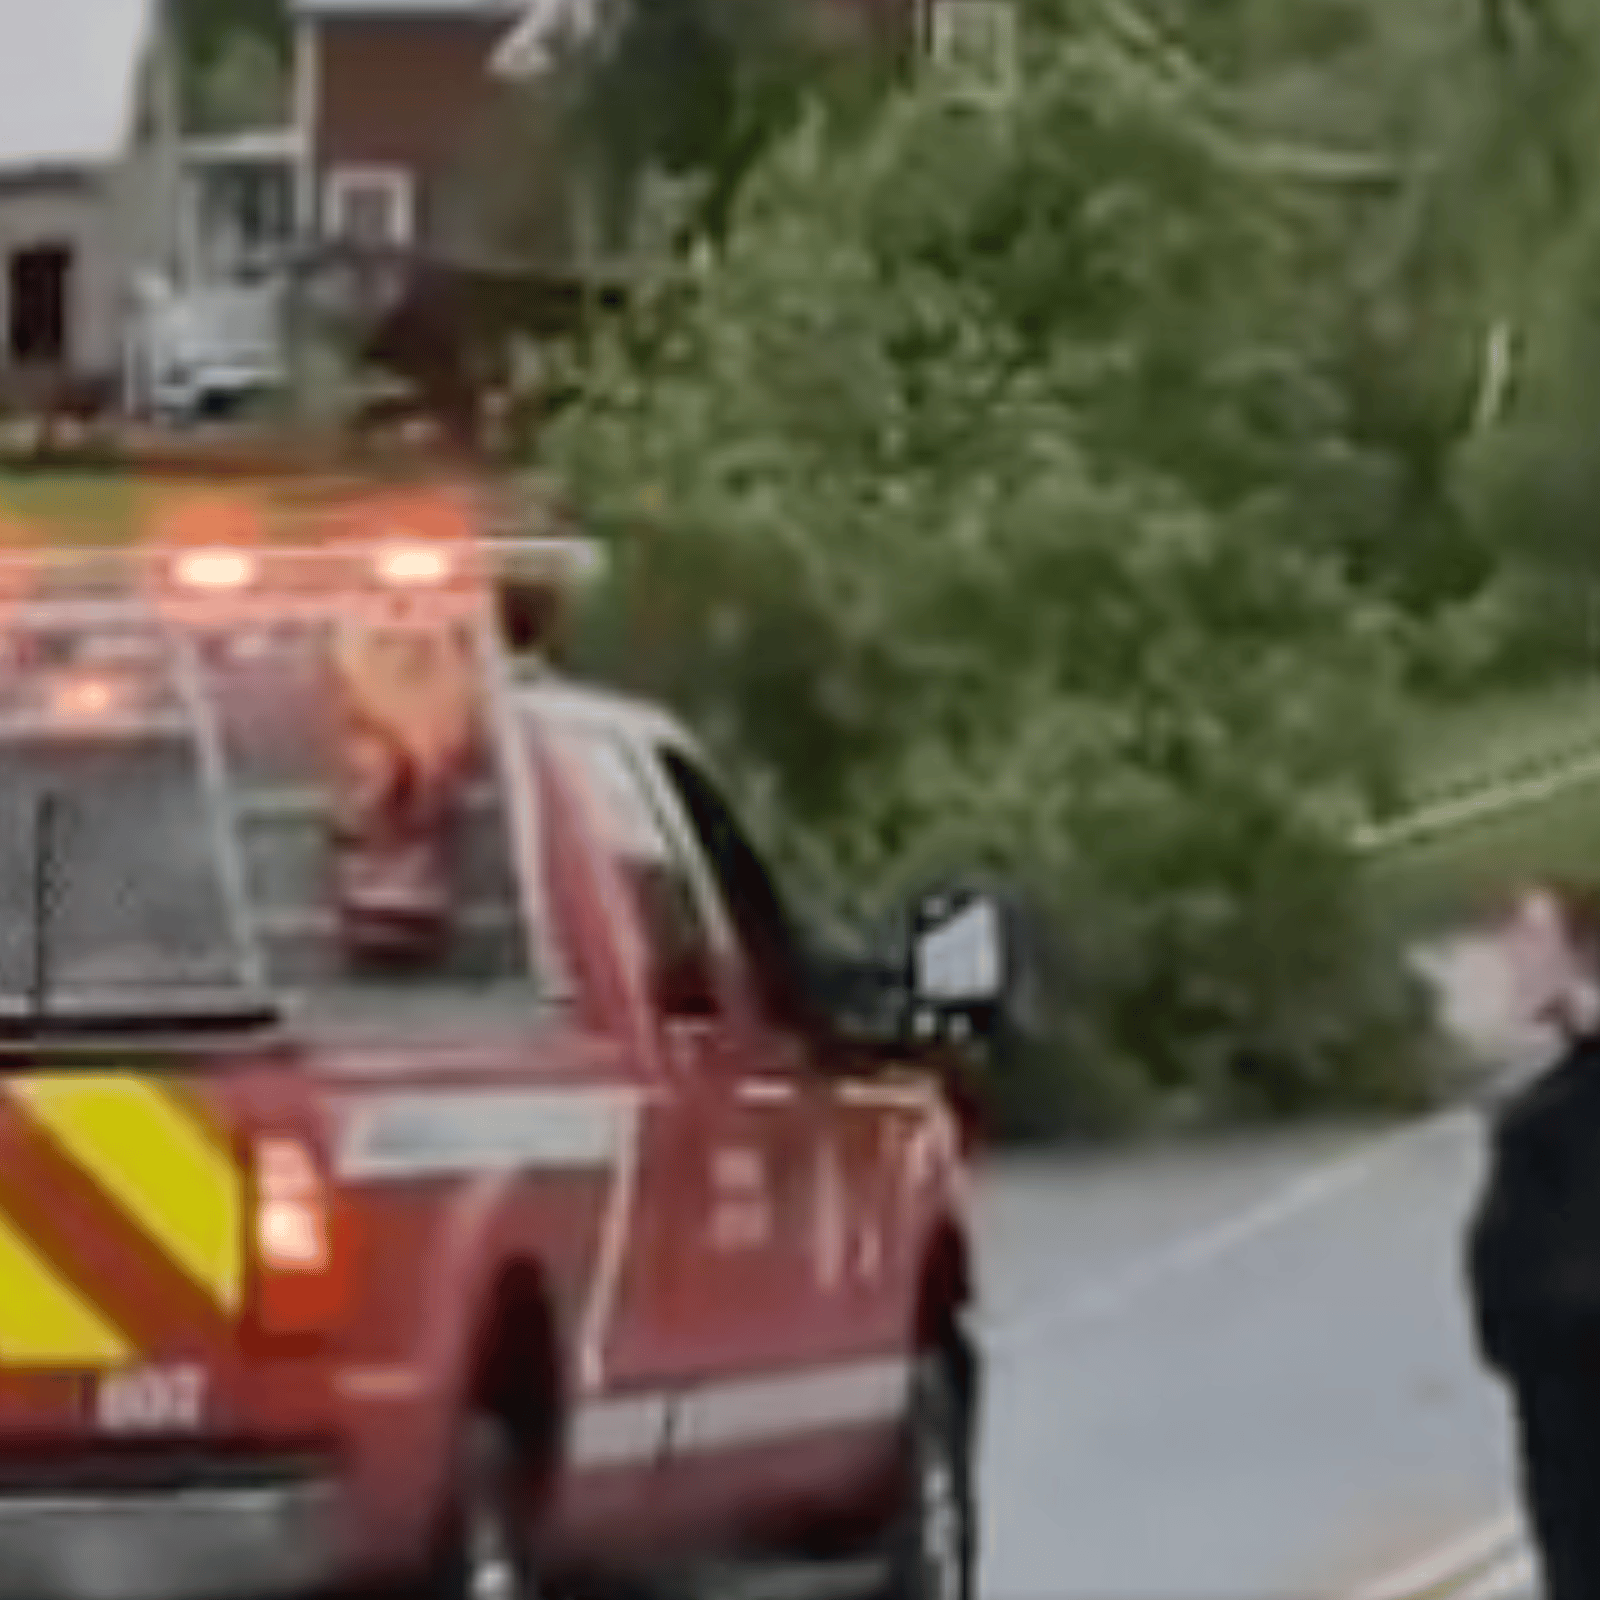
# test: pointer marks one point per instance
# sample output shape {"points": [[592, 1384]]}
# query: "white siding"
{"points": [[116, 213], [81, 221]]}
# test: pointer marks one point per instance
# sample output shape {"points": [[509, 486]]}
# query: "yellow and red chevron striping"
{"points": [[97, 1247], [121, 1222]]}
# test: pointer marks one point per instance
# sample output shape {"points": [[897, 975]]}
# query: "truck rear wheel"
{"points": [[486, 1551], [932, 1544]]}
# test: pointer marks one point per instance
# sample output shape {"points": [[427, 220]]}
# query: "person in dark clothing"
{"points": [[1533, 1255]]}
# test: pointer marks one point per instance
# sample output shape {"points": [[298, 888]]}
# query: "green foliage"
{"points": [[1504, 235], [990, 500], [695, 89], [1078, 485], [233, 64]]}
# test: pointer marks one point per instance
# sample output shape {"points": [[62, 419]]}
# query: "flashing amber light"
{"points": [[418, 541], [83, 699], [414, 566], [204, 553], [215, 570]]}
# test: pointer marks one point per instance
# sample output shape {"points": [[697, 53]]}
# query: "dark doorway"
{"points": [[40, 282]]}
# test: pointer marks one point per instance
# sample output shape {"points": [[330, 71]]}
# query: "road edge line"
{"points": [[1516, 1575], [1471, 1555]]}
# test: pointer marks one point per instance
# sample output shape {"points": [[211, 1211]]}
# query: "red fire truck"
{"points": [[424, 1163]]}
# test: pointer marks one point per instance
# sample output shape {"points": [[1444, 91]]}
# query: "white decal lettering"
{"points": [[829, 1241], [152, 1400], [741, 1207]]}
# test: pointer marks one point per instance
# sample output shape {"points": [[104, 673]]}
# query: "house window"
{"points": [[39, 285], [243, 216], [371, 205]]}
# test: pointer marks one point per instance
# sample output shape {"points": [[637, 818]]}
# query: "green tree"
{"points": [[1529, 474], [988, 501], [698, 89], [233, 63]]}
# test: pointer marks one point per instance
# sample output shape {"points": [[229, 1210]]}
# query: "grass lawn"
{"points": [[72, 508], [109, 507]]}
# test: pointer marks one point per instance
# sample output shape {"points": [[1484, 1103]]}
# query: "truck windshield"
{"points": [[306, 811]]}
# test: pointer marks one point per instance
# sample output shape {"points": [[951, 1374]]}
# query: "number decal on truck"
{"points": [[152, 1400]]}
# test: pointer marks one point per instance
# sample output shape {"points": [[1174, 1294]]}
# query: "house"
{"points": [[147, 262], [450, 224], [396, 102], [447, 259], [87, 173], [406, 108], [441, 220]]}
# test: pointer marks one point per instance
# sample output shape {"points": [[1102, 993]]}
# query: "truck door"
{"points": [[704, 1295], [845, 1318]]}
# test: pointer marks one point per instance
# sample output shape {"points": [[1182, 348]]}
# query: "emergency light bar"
{"points": [[289, 581]]}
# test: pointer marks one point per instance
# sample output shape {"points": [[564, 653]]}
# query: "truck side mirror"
{"points": [[958, 963]]}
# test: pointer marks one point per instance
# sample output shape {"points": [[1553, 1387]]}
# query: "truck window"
{"points": [[754, 906], [228, 817], [373, 828], [109, 926], [658, 878]]}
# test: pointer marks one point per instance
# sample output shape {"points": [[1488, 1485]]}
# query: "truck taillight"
{"points": [[297, 1248], [291, 1208]]}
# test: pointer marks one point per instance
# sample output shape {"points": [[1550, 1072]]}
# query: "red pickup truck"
{"points": [[424, 1163]]}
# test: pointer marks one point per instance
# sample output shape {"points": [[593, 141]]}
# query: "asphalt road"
{"points": [[1236, 1371], [1243, 1370]]}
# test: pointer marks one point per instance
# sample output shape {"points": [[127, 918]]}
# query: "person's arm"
{"points": [[1533, 1256], [1487, 1259]]}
